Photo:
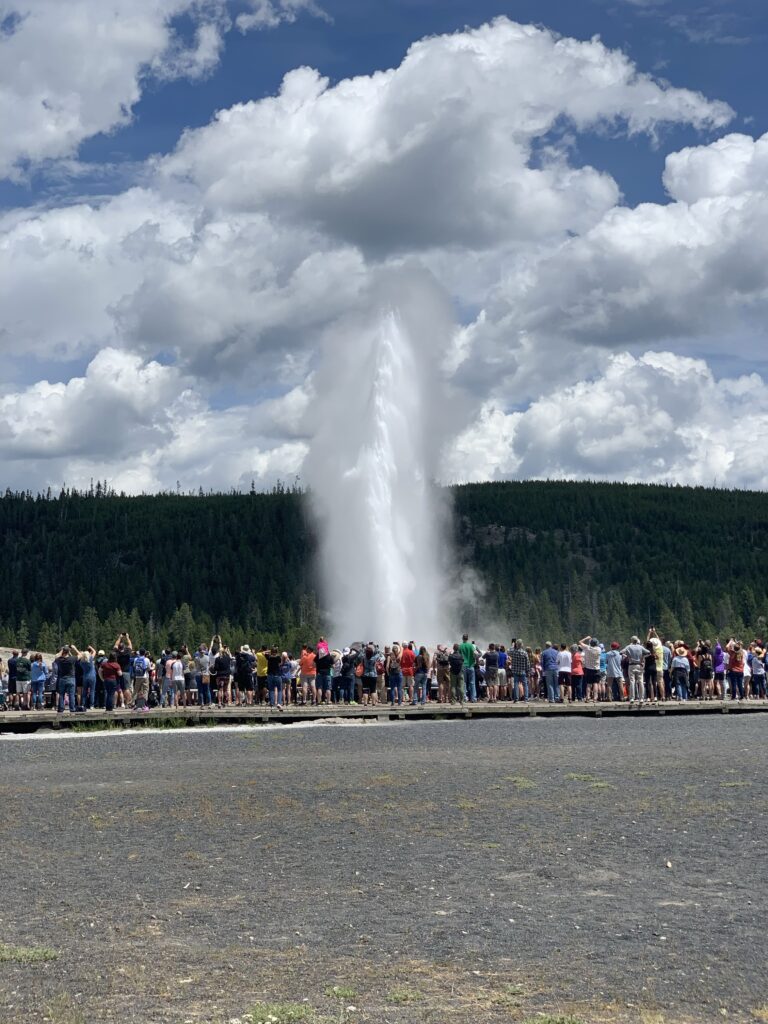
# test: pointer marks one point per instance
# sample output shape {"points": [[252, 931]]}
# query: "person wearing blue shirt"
{"points": [[549, 669]]}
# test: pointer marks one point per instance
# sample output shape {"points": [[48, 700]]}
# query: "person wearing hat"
{"points": [[681, 667], [756, 661], [591, 654], [636, 653]]}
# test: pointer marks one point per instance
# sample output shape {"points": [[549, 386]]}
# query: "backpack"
{"points": [[140, 666], [359, 669], [380, 667]]}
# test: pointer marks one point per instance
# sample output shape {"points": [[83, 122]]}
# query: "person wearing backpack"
{"points": [[456, 669], [395, 673], [140, 672], [324, 664]]}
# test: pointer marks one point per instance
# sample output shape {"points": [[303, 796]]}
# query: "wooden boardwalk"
{"points": [[29, 721]]}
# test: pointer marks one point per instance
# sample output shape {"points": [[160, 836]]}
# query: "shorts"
{"points": [[248, 684], [189, 681], [719, 677], [179, 685], [369, 684], [222, 681], [591, 676], [492, 676], [705, 674], [12, 691], [307, 680]]}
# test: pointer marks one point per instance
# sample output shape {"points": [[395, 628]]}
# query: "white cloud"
{"points": [[436, 152], [70, 69], [730, 166], [659, 417], [271, 13], [142, 426]]}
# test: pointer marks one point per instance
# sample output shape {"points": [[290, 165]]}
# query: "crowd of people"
{"points": [[212, 675]]}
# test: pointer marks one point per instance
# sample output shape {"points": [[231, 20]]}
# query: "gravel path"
{"points": [[458, 871]]}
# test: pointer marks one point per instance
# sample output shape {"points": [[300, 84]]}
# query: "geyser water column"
{"points": [[371, 468]]}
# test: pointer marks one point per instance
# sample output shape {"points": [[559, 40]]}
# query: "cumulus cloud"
{"points": [[266, 230], [657, 418], [436, 152], [70, 72], [143, 427]]}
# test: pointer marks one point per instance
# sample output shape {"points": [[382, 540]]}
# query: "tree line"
{"points": [[543, 560]]}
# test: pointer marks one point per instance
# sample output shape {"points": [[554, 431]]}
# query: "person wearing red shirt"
{"points": [[110, 671], [408, 666]]}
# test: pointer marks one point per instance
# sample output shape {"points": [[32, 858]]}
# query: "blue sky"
{"points": [[592, 217]]}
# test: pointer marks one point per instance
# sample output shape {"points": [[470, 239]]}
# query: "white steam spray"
{"points": [[377, 437]]}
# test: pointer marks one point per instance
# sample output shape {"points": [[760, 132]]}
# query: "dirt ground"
{"points": [[597, 870]]}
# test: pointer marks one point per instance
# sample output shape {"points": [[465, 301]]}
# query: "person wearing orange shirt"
{"points": [[308, 675]]}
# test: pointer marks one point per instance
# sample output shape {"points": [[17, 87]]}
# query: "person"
{"points": [[140, 673], [577, 673], [24, 679], [706, 670], [39, 675], [323, 667], [203, 666], [591, 653], [718, 659], [308, 675], [636, 654], [13, 694], [422, 670], [564, 671], [286, 675], [175, 669], [680, 671], [756, 659], [408, 668], [550, 669], [262, 684], [456, 669], [124, 648], [443, 673], [221, 668], [469, 656], [245, 662], [88, 663], [65, 673], [736, 669], [519, 667], [395, 672], [275, 679], [344, 681], [613, 674]]}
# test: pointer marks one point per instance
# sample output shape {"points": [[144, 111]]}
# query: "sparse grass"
{"points": [[466, 805], [510, 996], [491, 846], [340, 992], [107, 725], [403, 996], [553, 1018], [26, 954], [734, 785], [761, 1012], [282, 1013], [520, 781], [601, 785], [580, 777], [161, 723], [62, 1009]]}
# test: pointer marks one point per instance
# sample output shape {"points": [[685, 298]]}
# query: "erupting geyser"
{"points": [[372, 464]]}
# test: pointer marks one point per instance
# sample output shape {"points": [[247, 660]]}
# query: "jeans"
{"points": [[737, 685], [520, 680], [204, 693], [275, 687], [38, 693], [67, 686], [422, 688], [553, 686], [110, 685], [469, 683], [396, 686], [758, 685], [89, 691], [323, 685], [169, 690], [681, 685]]}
